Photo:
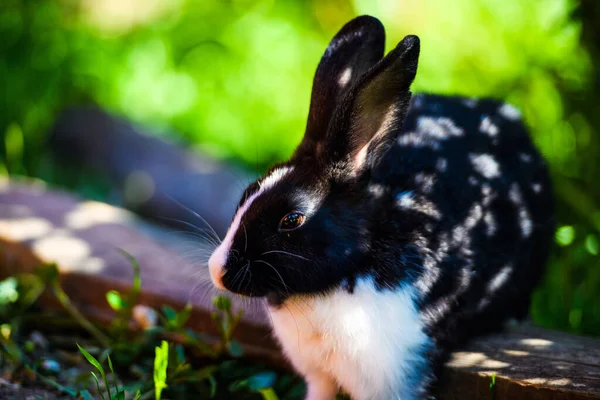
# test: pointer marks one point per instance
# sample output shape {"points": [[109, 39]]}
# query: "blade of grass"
{"points": [[64, 300], [110, 366], [125, 314], [97, 365], [98, 385], [49, 382], [137, 281]]}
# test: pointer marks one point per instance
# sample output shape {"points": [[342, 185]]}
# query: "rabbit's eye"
{"points": [[291, 221]]}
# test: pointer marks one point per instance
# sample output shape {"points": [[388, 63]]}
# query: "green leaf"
{"points": [[222, 303], [179, 354], [120, 395], [115, 301], [262, 380], [268, 394], [184, 315], [213, 386], [11, 350], [493, 385], [47, 272], [86, 395], [13, 145], [110, 365], [97, 365], [161, 362], [255, 383], [8, 291], [592, 245], [137, 280], [91, 359], [138, 394], [31, 287], [170, 314], [235, 349], [565, 235]]}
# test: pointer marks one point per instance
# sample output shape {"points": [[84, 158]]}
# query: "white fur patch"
{"points": [[524, 218], [440, 128], [488, 127], [405, 199], [525, 157], [345, 77], [486, 165], [509, 111], [218, 259], [499, 279], [369, 342]]}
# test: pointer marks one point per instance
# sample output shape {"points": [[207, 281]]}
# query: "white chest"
{"points": [[370, 342]]}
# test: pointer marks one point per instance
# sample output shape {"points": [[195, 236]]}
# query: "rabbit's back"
{"points": [[465, 176]]}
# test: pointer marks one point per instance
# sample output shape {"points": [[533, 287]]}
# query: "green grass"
{"points": [[125, 364]]}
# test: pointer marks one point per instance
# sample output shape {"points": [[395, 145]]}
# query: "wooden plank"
{"points": [[529, 362], [84, 238], [39, 225]]}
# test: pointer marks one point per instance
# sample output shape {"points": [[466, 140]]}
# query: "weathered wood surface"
{"points": [[154, 177], [84, 239], [38, 225]]}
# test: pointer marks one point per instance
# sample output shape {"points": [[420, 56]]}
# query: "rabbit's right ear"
{"points": [[354, 49]]}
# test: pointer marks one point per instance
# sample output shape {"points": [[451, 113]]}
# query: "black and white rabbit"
{"points": [[398, 229]]}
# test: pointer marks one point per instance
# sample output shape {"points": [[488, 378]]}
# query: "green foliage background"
{"points": [[233, 78]]}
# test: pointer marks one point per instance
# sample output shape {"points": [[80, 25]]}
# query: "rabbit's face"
{"points": [[305, 226], [294, 232]]}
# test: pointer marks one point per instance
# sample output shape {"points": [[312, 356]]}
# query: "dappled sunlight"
{"points": [[551, 382], [515, 353], [70, 253], [90, 213], [493, 364], [534, 342], [21, 229], [119, 16], [474, 359]]}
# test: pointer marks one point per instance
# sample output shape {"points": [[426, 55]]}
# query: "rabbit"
{"points": [[400, 228]]}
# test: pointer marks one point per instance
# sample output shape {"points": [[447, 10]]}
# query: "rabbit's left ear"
{"points": [[370, 117], [353, 50]]}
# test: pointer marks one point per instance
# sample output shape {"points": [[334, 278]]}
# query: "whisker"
{"points": [[216, 235], [199, 230], [295, 322], [286, 253], [299, 306], [286, 287]]}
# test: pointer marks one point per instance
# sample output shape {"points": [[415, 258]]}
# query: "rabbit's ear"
{"points": [[369, 118], [353, 50]]}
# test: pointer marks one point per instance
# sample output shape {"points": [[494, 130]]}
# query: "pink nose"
{"points": [[216, 264]]}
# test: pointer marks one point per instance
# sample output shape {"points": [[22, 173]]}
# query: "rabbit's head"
{"points": [[305, 226]]}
